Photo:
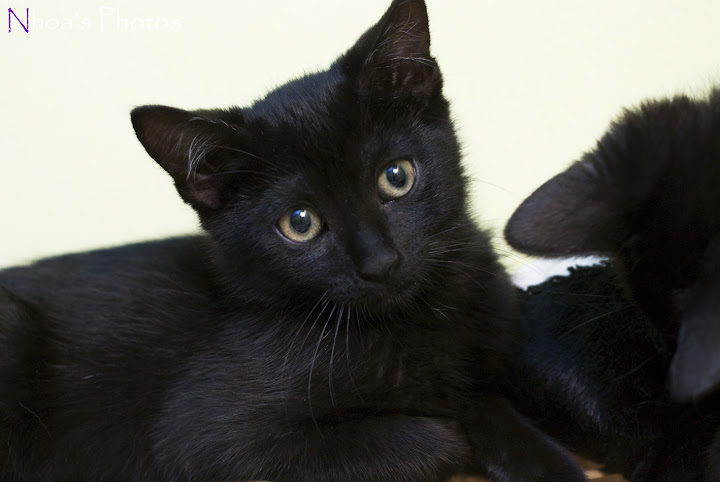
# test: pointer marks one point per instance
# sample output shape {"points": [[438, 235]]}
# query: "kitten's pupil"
{"points": [[396, 176], [300, 220]]}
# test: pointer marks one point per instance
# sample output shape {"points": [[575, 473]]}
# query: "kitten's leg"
{"points": [[507, 448], [369, 449], [381, 448]]}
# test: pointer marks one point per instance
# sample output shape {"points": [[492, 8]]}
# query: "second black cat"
{"points": [[621, 362]]}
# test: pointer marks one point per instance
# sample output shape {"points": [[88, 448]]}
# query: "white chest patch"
{"points": [[538, 270]]}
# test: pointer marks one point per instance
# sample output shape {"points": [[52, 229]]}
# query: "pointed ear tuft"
{"points": [[574, 213], [195, 148], [396, 56]]}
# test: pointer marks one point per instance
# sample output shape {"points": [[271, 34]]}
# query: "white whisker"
{"points": [[332, 357], [314, 357]]}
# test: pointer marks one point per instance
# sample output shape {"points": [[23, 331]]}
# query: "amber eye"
{"points": [[397, 179], [300, 225]]}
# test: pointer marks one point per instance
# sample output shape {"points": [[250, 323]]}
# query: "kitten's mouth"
{"points": [[387, 297]]}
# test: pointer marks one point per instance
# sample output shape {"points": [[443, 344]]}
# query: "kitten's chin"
{"points": [[385, 298]]}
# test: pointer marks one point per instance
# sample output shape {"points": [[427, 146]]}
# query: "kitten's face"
{"points": [[341, 185], [351, 213], [648, 197]]}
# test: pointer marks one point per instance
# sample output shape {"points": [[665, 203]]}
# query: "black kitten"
{"points": [[647, 196], [343, 319]]}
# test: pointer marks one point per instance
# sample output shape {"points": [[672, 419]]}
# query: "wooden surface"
{"points": [[593, 471]]}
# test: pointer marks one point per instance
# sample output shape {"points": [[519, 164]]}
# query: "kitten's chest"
{"points": [[411, 369], [422, 366]]}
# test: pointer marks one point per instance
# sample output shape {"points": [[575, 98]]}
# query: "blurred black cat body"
{"points": [[593, 372], [342, 319], [624, 358], [647, 196]]}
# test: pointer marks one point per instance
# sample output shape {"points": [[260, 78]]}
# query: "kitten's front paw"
{"points": [[507, 448], [535, 463], [409, 448]]}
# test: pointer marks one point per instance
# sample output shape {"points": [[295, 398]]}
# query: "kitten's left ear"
{"points": [[695, 367], [394, 56]]}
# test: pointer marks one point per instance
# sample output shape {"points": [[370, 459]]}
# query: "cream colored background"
{"points": [[533, 85]]}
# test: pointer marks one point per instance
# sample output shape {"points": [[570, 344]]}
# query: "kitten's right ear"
{"points": [[574, 213], [195, 148], [392, 60]]}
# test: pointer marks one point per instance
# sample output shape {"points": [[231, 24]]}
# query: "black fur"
{"points": [[647, 196], [378, 350], [592, 374], [635, 361]]}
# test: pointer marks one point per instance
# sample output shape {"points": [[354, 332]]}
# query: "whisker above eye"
{"points": [[250, 154], [244, 171]]}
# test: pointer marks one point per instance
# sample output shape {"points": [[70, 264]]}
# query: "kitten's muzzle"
{"points": [[375, 257]]}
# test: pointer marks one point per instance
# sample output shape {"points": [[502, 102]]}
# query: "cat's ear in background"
{"points": [[695, 368], [392, 60], [196, 148], [574, 213]]}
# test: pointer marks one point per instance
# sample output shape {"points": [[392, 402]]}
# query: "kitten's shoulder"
{"points": [[180, 262], [155, 253]]}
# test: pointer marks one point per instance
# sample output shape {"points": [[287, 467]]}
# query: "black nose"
{"points": [[378, 265], [374, 256]]}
